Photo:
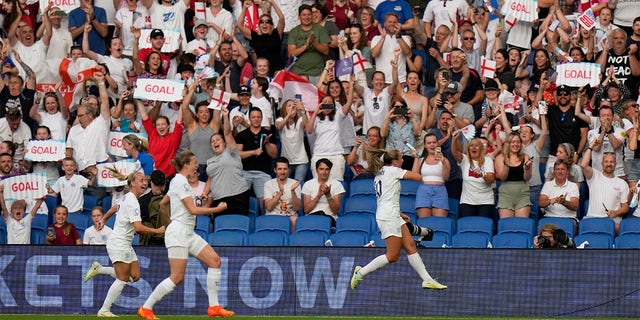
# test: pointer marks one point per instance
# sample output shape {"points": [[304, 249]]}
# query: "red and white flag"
{"points": [[286, 85], [201, 10], [487, 68], [360, 63], [219, 99], [72, 72]]}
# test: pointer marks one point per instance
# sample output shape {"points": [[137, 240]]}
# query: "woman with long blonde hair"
{"points": [[478, 175]]}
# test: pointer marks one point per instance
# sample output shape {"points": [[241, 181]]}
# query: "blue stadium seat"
{"points": [[51, 203], [454, 205], [356, 222], [90, 201], [630, 225], [236, 222], [597, 225], [362, 204], [408, 204], [203, 224], [269, 238], [378, 241], [273, 223], [409, 187], [596, 240], [107, 202], [136, 240], [512, 240], [442, 227], [566, 224], [308, 238], [518, 225], [349, 239], [362, 187], [470, 240], [628, 241], [482, 225], [39, 229], [111, 221], [314, 223], [81, 221], [254, 207], [3, 233], [228, 238]]}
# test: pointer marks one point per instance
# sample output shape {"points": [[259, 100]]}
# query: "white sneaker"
{"points": [[93, 271], [356, 278], [106, 314], [433, 284]]}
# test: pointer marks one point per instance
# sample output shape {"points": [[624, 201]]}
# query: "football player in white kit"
{"points": [[181, 240], [395, 227], [125, 262]]}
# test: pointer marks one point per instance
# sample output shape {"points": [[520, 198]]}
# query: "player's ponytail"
{"points": [[380, 157]]}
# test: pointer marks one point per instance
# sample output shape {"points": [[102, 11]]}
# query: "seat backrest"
{"points": [[90, 201], [597, 225], [408, 204], [355, 222], [409, 187], [469, 240], [517, 224], [308, 239], [362, 187], [596, 240], [440, 239], [349, 239], [3, 234], [228, 238], [511, 240], [273, 223], [361, 204], [454, 205], [269, 238], [440, 224], [630, 225], [80, 220], [475, 224], [314, 222], [566, 224], [236, 222], [628, 241], [40, 222]]}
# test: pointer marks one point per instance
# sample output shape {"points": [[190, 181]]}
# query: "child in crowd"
{"points": [[18, 220], [62, 232], [98, 233], [71, 186]]}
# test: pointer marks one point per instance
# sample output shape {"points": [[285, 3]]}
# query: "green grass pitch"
{"points": [[171, 317]]}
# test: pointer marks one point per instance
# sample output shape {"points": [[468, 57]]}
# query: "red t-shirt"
{"points": [[166, 61], [163, 149], [68, 239]]}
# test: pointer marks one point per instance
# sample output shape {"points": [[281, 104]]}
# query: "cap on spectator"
{"points": [[13, 114], [158, 178], [564, 88], [463, 21], [491, 85], [199, 22], [244, 90], [156, 33], [453, 87]]}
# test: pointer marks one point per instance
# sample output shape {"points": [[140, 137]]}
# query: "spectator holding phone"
{"points": [[400, 130], [291, 125], [62, 232], [432, 198]]}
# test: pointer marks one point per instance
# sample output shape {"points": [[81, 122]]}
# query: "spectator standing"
{"points": [[89, 15], [478, 176], [308, 42]]}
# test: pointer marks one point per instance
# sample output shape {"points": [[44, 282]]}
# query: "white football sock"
{"points": [[213, 285], [110, 271], [164, 288], [112, 295], [416, 263], [375, 264]]}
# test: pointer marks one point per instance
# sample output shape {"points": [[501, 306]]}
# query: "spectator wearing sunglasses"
{"points": [[267, 41], [566, 126]]}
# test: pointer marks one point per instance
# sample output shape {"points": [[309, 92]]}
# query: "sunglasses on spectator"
{"points": [[266, 21], [469, 38], [563, 93]]}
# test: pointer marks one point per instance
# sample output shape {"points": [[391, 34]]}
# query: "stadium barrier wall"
{"points": [[315, 281]]}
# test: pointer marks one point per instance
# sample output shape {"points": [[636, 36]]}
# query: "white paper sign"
{"points": [[106, 179], [523, 10], [64, 5], [25, 186], [171, 39], [45, 150], [159, 89], [578, 74], [487, 68], [116, 146], [219, 99]]}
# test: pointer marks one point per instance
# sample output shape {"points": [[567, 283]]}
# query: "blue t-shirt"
{"points": [[399, 7], [77, 17], [146, 161]]}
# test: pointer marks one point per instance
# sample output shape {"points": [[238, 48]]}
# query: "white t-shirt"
{"points": [[327, 134], [237, 111], [224, 20], [89, 144], [605, 192], [118, 68], [383, 60], [20, 137], [19, 232], [56, 123], [138, 18], [552, 190], [169, 17], [476, 191], [387, 186], [265, 107], [310, 188], [596, 156], [293, 142], [71, 191], [179, 189], [123, 230], [60, 44], [375, 116], [95, 237], [443, 11], [284, 207]]}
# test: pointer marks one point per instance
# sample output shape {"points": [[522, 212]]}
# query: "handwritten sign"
{"points": [[45, 150], [105, 176], [25, 186], [219, 99], [578, 74], [116, 145], [171, 39], [522, 10], [587, 20], [159, 89], [64, 5]]}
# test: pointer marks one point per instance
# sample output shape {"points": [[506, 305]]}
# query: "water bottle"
{"points": [[634, 199]]}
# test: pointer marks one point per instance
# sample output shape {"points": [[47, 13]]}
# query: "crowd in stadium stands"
{"points": [[472, 85]]}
